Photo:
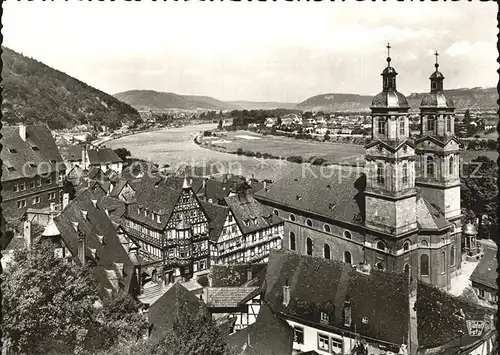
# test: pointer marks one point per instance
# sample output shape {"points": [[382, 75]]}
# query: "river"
{"points": [[175, 146]]}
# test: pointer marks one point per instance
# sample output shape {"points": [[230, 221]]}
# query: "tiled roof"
{"points": [[436, 99], [137, 169], [227, 297], [390, 99], [96, 173], [485, 272], [334, 193], [236, 275], [428, 217], [216, 216], [250, 214], [72, 152], [268, 335], [102, 156], [115, 207], [103, 247], [386, 307], [333, 282], [163, 313], [117, 188], [38, 148]]}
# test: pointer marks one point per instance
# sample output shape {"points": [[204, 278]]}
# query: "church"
{"points": [[399, 213]]}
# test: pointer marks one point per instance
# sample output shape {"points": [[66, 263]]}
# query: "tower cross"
{"points": [[436, 54], [388, 49]]}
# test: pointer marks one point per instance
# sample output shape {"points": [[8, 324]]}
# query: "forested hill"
{"points": [[475, 98], [36, 93]]}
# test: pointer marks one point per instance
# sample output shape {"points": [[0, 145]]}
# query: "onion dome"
{"points": [[470, 229], [436, 97], [389, 97]]}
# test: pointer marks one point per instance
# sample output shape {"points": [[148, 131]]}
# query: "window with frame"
{"points": [[450, 166], [448, 124], [380, 173], [324, 317], [430, 166], [309, 222], [443, 262], [276, 212], [39, 183], [309, 246], [36, 200], [22, 186], [347, 257], [424, 265], [337, 345], [380, 266], [21, 203], [327, 228], [402, 127], [32, 184], [323, 342], [230, 218], [406, 246], [326, 251], [424, 243], [52, 195], [381, 245], [15, 188], [452, 256], [298, 335], [405, 173], [381, 126], [292, 241], [430, 123], [347, 235], [292, 217]]}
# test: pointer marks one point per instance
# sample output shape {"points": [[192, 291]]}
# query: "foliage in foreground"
{"points": [[50, 306]]}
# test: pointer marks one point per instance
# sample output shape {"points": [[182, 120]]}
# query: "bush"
{"points": [[239, 151], [295, 159]]}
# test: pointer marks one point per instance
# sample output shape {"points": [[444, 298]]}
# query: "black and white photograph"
{"points": [[238, 177]]}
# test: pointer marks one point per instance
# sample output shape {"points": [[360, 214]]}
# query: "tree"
{"points": [[69, 188], [479, 192], [193, 334], [123, 153], [49, 307], [221, 122]]}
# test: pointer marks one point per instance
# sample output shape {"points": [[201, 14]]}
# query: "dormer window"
{"points": [[12, 150], [325, 318], [158, 218]]}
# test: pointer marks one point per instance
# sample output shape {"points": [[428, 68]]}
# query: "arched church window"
{"points": [[424, 243], [430, 123], [430, 166], [452, 256], [450, 166], [380, 173], [443, 262], [448, 124], [309, 246], [406, 246], [326, 251], [292, 241], [379, 266], [292, 217], [347, 257], [406, 268], [381, 126], [405, 173], [276, 212], [424, 265]]}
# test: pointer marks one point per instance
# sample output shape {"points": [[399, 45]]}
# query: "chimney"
{"points": [[249, 275], [81, 247], [286, 294], [65, 201], [27, 234], [347, 312], [265, 185], [205, 188], [22, 132], [412, 326]]}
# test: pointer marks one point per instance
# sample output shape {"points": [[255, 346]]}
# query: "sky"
{"points": [[259, 51]]}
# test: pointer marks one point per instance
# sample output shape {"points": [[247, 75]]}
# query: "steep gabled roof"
{"points": [[163, 313], [268, 335], [102, 156], [251, 215], [216, 215], [227, 297], [331, 192], [103, 247], [235, 275], [37, 155], [197, 171]]}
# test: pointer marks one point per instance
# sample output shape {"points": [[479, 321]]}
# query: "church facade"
{"points": [[401, 212]]}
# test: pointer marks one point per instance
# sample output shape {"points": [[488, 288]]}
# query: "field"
{"points": [[285, 147]]}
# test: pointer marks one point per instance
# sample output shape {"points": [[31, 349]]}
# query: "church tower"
{"points": [[438, 151], [390, 194]]}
